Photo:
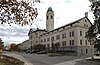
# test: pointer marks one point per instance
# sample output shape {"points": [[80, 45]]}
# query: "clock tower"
{"points": [[49, 19]]}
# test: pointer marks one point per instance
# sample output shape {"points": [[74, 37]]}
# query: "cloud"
{"points": [[65, 11], [13, 33]]}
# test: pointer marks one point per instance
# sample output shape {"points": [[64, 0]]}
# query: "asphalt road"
{"points": [[44, 59]]}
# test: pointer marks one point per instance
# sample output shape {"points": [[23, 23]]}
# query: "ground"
{"points": [[44, 59]]}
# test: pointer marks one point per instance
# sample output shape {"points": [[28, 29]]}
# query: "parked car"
{"points": [[34, 51], [42, 52], [28, 51]]}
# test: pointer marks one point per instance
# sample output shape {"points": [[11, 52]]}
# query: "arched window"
{"points": [[51, 17]]}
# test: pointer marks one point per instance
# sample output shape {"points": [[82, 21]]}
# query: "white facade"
{"points": [[25, 45], [70, 37]]}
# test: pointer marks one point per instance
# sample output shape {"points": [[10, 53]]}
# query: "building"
{"points": [[70, 37], [25, 45]]}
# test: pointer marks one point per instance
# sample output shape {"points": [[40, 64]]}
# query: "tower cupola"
{"points": [[49, 9]]}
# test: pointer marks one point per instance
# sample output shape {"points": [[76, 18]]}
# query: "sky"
{"points": [[65, 11]]}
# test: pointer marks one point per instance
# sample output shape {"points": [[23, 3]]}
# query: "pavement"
{"points": [[70, 62], [73, 62]]}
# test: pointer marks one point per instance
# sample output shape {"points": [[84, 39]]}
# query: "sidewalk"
{"points": [[19, 57], [95, 57], [73, 62]]}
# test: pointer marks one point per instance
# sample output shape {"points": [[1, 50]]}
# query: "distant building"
{"points": [[70, 37], [25, 45]]}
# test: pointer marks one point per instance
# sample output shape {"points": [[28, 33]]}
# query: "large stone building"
{"points": [[25, 45], [70, 37]]}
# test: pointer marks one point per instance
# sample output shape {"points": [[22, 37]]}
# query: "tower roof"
{"points": [[49, 9]]}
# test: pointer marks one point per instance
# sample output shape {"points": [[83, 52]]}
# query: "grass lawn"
{"points": [[4, 62], [1, 63]]}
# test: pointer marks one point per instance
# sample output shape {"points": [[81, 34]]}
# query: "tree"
{"points": [[13, 47], [39, 47], [18, 12], [94, 30], [1, 44], [56, 46]]}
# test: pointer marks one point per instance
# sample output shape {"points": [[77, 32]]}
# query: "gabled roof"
{"points": [[36, 30], [30, 31], [70, 24]]}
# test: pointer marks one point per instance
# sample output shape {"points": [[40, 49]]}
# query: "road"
{"points": [[44, 59]]}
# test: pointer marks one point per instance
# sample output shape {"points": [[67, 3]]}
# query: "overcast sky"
{"points": [[65, 11]]}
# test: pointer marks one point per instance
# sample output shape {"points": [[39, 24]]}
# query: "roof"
{"points": [[36, 30], [49, 9], [70, 24]]}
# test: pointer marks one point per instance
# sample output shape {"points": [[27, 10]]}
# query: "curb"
{"points": [[88, 62]]}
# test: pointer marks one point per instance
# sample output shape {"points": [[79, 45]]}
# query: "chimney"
{"points": [[86, 14]]}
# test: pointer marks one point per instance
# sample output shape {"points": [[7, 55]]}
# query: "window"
{"points": [[64, 35], [51, 17], [85, 20], [57, 37], [41, 41], [44, 40], [80, 33], [80, 42], [72, 42], [86, 42], [69, 34], [48, 39], [86, 51], [52, 38], [72, 33], [47, 17], [64, 43]]}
